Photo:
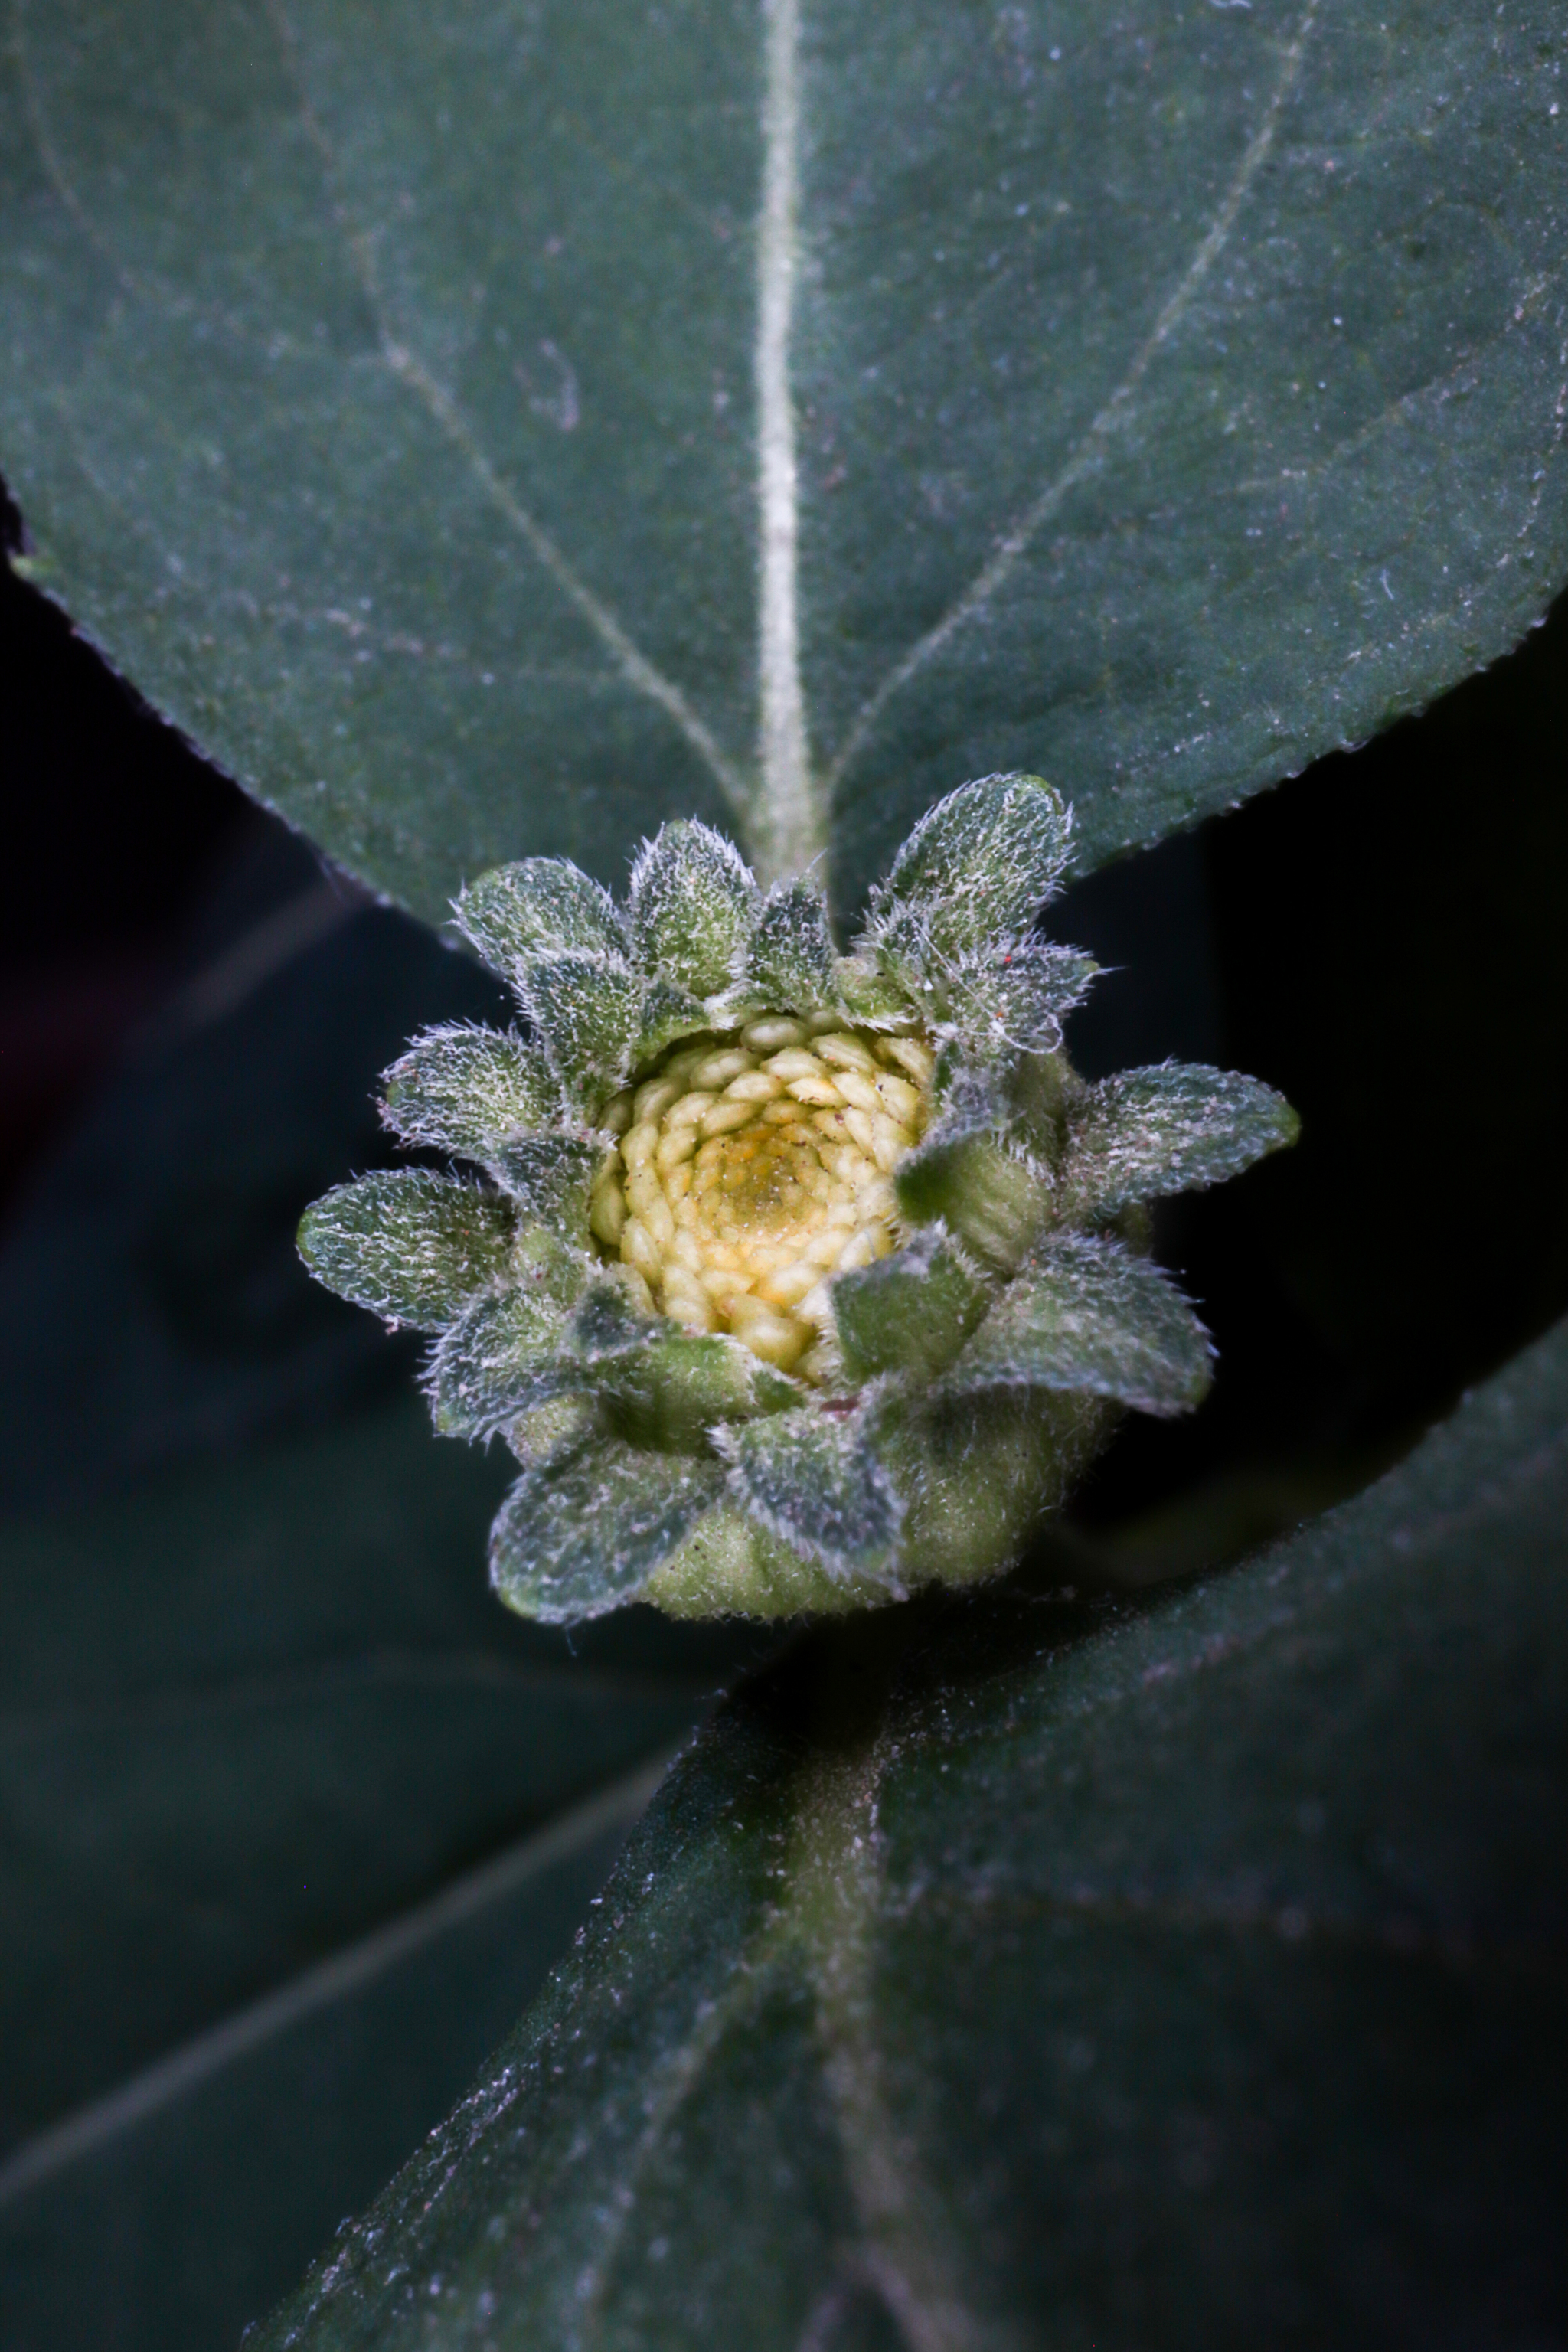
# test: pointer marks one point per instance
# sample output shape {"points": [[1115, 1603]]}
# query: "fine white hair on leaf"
{"points": [[466, 1089], [1083, 1315], [518, 915], [977, 868], [588, 1009], [814, 1481], [692, 904], [411, 1245], [1174, 1127]]}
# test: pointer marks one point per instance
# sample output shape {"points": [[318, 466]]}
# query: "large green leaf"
{"points": [[260, 1726], [1009, 1972], [203, 2184], [497, 426]]}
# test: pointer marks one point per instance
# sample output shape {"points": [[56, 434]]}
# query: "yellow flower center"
{"points": [[751, 1168]]}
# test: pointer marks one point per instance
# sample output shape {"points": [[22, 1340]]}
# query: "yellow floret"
{"points": [[751, 1170]]}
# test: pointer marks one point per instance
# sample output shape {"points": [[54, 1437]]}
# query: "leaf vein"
{"points": [[790, 826], [643, 676], [82, 2135], [1109, 419]]}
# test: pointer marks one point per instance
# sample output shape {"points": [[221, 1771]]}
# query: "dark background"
{"points": [[193, 1010]]}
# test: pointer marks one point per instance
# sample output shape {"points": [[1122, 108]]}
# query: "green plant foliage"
{"points": [[468, 1090], [549, 1178], [929, 1237], [607, 1325], [994, 1199], [533, 910], [691, 907], [791, 961], [1011, 1971], [974, 873], [409, 1245], [501, 1357], [585, 1009], [1172, 1129], [1173, 397], [817, 1484], [669, 1013], [586, 1531], [670, 1391], [503, 428], [1020, 999], [917, 1306], [261, 1728], [1089, 1318]]}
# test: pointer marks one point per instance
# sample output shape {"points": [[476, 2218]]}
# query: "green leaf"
{"points": [[872, 996], [606, 1324], [151, 1293], [1118, 1975], [991, 1197], [975, 871], [547, 1432], [549, 1178], [409, 1245], [293, 1816], [587, 1009], [500, 1358], [485, 434], [668, 1012], [1170, 1129], [466, 1089], [982, 1470], [1020, 999], [533, 910], [909, 1312], [1088, 1317], [792, 961], [582, 1534], [671, 1394], [813, 1479], [693, 902]]}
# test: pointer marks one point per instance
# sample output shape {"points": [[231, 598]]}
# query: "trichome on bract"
{"points": [[793, 1279]]}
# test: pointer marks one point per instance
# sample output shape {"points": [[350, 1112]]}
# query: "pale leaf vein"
{"points": [[1110, 418]]}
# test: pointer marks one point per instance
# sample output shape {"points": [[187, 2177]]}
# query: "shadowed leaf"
{"points": [[672, 1393], [263, 1732], [792, 960], [814, 1480], [990, 1197], [668, 1012], [913, 1309]]}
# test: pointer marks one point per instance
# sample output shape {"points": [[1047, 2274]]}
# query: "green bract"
{"points": [[796, 1279]]}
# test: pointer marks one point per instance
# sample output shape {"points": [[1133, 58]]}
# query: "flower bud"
{"points": [[793, 1279]]}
